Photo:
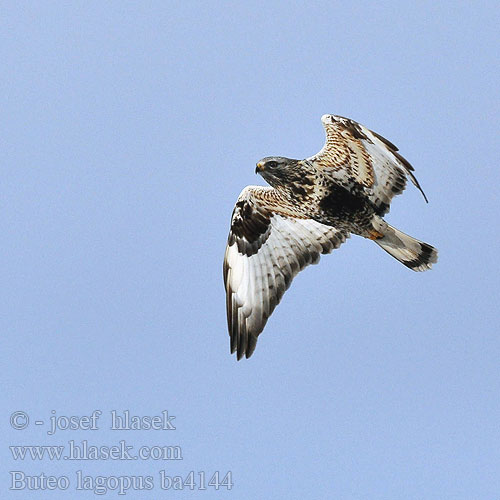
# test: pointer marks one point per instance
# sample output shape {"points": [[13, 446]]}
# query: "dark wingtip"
{"points": [[252, 343], [418, 186], [244, 351], [233, 350]]}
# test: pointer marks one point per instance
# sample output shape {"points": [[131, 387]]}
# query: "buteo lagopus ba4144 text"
{"points": [[311, 208]]}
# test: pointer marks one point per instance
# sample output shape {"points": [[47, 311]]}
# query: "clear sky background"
{"points": [[128, 131]]}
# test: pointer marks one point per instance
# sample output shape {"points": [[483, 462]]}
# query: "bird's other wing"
{"points": [[266, 249], [365, 158]]}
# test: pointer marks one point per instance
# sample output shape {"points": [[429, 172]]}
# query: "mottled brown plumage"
{"points": [[311, 208]]}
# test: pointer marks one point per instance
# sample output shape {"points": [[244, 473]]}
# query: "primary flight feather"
{"points": [[312, 207]]}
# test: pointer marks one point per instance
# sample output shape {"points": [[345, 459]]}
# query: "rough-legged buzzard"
{"points": [[311, 208]]}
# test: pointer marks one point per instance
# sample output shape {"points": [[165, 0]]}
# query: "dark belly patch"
{"points": [[341, 203], [343, 208]]}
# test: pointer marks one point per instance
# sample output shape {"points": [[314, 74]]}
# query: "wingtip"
{"points": [[423, 194], [239, 355], [244, 351]]}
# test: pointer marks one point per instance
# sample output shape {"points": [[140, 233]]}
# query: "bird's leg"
{"points": [[373, 234]]}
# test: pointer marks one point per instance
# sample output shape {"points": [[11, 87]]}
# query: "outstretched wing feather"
{"points": [[357, 156], [261, 261]]}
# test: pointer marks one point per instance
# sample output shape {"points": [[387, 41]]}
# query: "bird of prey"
{"points": [[311, 208]]}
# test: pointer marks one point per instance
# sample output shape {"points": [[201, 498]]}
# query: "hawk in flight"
{"points": [[311, 208]]}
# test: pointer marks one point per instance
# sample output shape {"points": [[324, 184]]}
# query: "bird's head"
{"points": [[277, 170]]}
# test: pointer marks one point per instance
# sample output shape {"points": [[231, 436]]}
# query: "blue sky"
{"points": [[129, 130]]}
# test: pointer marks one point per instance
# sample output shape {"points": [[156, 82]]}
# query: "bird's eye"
{"points": [[272, 164]]}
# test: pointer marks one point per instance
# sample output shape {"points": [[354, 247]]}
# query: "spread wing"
{"points": [[354, 155], [266, 249]]}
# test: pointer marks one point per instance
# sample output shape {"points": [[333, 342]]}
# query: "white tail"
{"points": [[414, 254]]}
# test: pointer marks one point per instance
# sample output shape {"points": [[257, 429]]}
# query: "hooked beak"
{"points": [[259, 168]]}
